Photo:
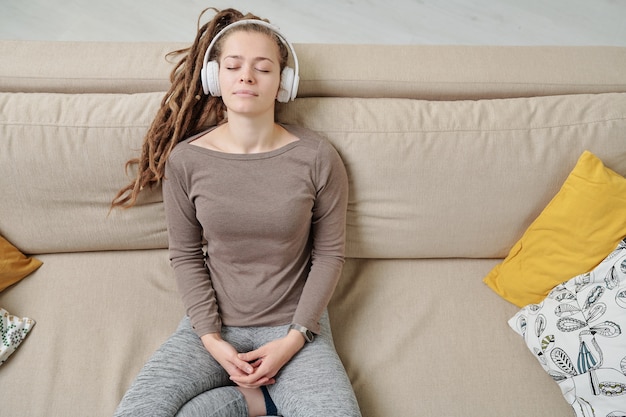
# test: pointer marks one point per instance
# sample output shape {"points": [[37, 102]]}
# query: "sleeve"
{"points": [[186, 251], [328, 237]]}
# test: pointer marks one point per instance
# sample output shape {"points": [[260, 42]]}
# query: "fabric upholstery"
{"points": [[100, 315], [451, 153]]}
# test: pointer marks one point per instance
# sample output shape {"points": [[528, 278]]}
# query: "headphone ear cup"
{"points": [[205, 84], [295, 85], [286, 85], [210, 79]]}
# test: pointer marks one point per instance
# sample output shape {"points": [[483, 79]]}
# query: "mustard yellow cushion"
{"points": [[572, 235], [14, 265]]}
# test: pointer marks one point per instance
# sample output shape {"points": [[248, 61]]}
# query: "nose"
{"points": [[246, 76]]}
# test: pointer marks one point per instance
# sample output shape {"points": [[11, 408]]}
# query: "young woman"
{"points": [[256, 223]]}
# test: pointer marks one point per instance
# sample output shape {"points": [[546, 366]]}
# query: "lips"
{"points": [[245, 93]]}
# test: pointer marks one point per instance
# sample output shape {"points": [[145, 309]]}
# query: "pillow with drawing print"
{"points": [[578, 335], [13, 330]]}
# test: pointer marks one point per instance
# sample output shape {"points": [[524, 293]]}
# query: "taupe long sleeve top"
{"points": [[274, 223]]}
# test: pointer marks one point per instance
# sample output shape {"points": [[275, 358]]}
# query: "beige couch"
{"points": [[452, 151]]}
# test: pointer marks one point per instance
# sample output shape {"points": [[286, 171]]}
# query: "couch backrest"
{"points": [[446, 179], [429, 178], [427, 72], [62, 160]]}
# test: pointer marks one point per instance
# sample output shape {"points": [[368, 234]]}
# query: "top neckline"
{"points": [[241, 156]]}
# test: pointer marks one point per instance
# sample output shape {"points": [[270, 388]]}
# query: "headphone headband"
{"points": [[293, 88]]}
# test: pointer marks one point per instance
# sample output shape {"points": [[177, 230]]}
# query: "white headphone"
{"points": [[289, 78]]}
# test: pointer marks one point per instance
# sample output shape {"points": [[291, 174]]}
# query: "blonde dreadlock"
{"points": [[185, 110]]}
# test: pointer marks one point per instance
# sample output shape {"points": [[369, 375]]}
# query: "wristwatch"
{"points": [[306, 333]]}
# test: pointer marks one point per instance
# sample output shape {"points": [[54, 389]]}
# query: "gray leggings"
{"points": [[182, 379]]}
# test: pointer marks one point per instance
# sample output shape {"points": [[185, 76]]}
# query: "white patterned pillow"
{"points": [[578, 335], [13, 330]]}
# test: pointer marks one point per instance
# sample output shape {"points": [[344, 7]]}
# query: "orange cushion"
{"points": [[14, 265]]}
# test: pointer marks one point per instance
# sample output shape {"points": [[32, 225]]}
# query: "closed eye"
{"points": [[233, 62], [236, 67]]}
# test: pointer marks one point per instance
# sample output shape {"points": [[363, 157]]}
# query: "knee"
{"points": [[315, 404]]}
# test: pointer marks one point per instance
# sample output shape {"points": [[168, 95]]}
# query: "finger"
{"points": [[261, 376], [251, 356], [256, 363], [252, 383], [235, 367], [254, 386], [233, 371], [255, 378], [244, 366]]}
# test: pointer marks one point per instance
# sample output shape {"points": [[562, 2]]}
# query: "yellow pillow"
{"points": [[574, 233], [14, 265]]}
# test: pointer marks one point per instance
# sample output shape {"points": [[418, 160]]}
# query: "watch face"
{"points": [[308, 335]]}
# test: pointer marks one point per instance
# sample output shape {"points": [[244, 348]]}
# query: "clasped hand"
{"points": [[255, 368]]}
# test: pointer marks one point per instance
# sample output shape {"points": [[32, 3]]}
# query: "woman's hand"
{"points": [[268, 360], [226, 355]]}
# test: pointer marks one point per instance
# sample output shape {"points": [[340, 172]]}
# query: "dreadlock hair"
{"points": [[185, 110]]}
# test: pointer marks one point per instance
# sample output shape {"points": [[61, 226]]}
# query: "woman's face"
{"points": [[249, 72]]}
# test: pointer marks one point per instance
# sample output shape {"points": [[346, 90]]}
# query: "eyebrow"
{"points": [[260, 58]]}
